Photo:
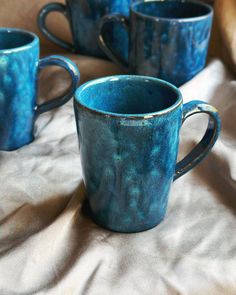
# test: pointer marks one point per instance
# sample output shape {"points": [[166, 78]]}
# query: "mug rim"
{"points": [[176, 104], [35, 40], [187, 19]]}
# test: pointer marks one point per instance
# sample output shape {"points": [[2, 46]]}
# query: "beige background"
{"points": [[23, 14]]}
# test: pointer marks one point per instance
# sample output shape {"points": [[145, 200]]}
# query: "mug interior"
{"points": [[128, 95], [11, 39], [172, 9]]}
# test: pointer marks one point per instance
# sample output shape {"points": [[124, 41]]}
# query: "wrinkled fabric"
{"points": [[49, 245]]}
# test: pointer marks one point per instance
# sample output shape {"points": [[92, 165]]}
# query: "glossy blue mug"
{"points": [[128, 128], [19, 69], [84, 17], [168, 39]]}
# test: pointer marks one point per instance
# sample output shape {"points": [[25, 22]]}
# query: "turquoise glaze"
{"points": [[168, 39], [84, 17], [128, 129], [19, 67]]}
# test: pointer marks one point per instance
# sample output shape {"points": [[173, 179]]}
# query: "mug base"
{"points": [[16, 146], [122, 229], [140, 228]]}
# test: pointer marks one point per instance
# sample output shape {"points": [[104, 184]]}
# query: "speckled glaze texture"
{"points": [[18, 74], [19, 66], [168, 39], [129, 160], [84, 17]]}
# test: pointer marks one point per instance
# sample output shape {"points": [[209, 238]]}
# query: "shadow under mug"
{"points": [[128, 129], [19, 69], [84, 17], [168, 39]]}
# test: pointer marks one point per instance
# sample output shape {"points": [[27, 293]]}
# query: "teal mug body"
{"points": [[128, 129]]}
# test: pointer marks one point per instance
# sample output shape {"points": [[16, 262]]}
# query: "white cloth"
{"points": [[48, 245]]}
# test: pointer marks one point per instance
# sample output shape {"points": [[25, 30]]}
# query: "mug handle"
{"points": [[108, 50], [208, 140], [52, 7], [71, 68]]}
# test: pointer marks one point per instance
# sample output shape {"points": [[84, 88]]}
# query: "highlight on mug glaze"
{"points": [[128, 128]]}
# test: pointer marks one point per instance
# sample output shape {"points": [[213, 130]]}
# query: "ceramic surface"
{"points": [[168, 39], [19, 66], [84, 17], [128, 129]]}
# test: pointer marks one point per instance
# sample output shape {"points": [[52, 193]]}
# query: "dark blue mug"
{"points": [[19, 69], [84, 17], [128, 128], [168, 39]]}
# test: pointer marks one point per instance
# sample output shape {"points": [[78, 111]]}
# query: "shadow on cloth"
{"points": [[68, 216], [64, 239], [30, 219], [221, 180]]}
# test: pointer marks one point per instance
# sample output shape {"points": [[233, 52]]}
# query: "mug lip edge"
{"points": [[144, 116], [35, 40], [180, 20]]}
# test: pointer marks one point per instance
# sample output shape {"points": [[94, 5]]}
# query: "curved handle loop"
{"points": [[107, 49], [52, 7], [208, 140], [71, 68]]}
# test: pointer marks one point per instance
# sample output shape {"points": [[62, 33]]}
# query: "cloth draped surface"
{"points": [[49, 245]]}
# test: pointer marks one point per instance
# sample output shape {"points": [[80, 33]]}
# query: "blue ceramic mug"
{"points": [[84, 17], [128, 128], [168, 39], [19, 69]]}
